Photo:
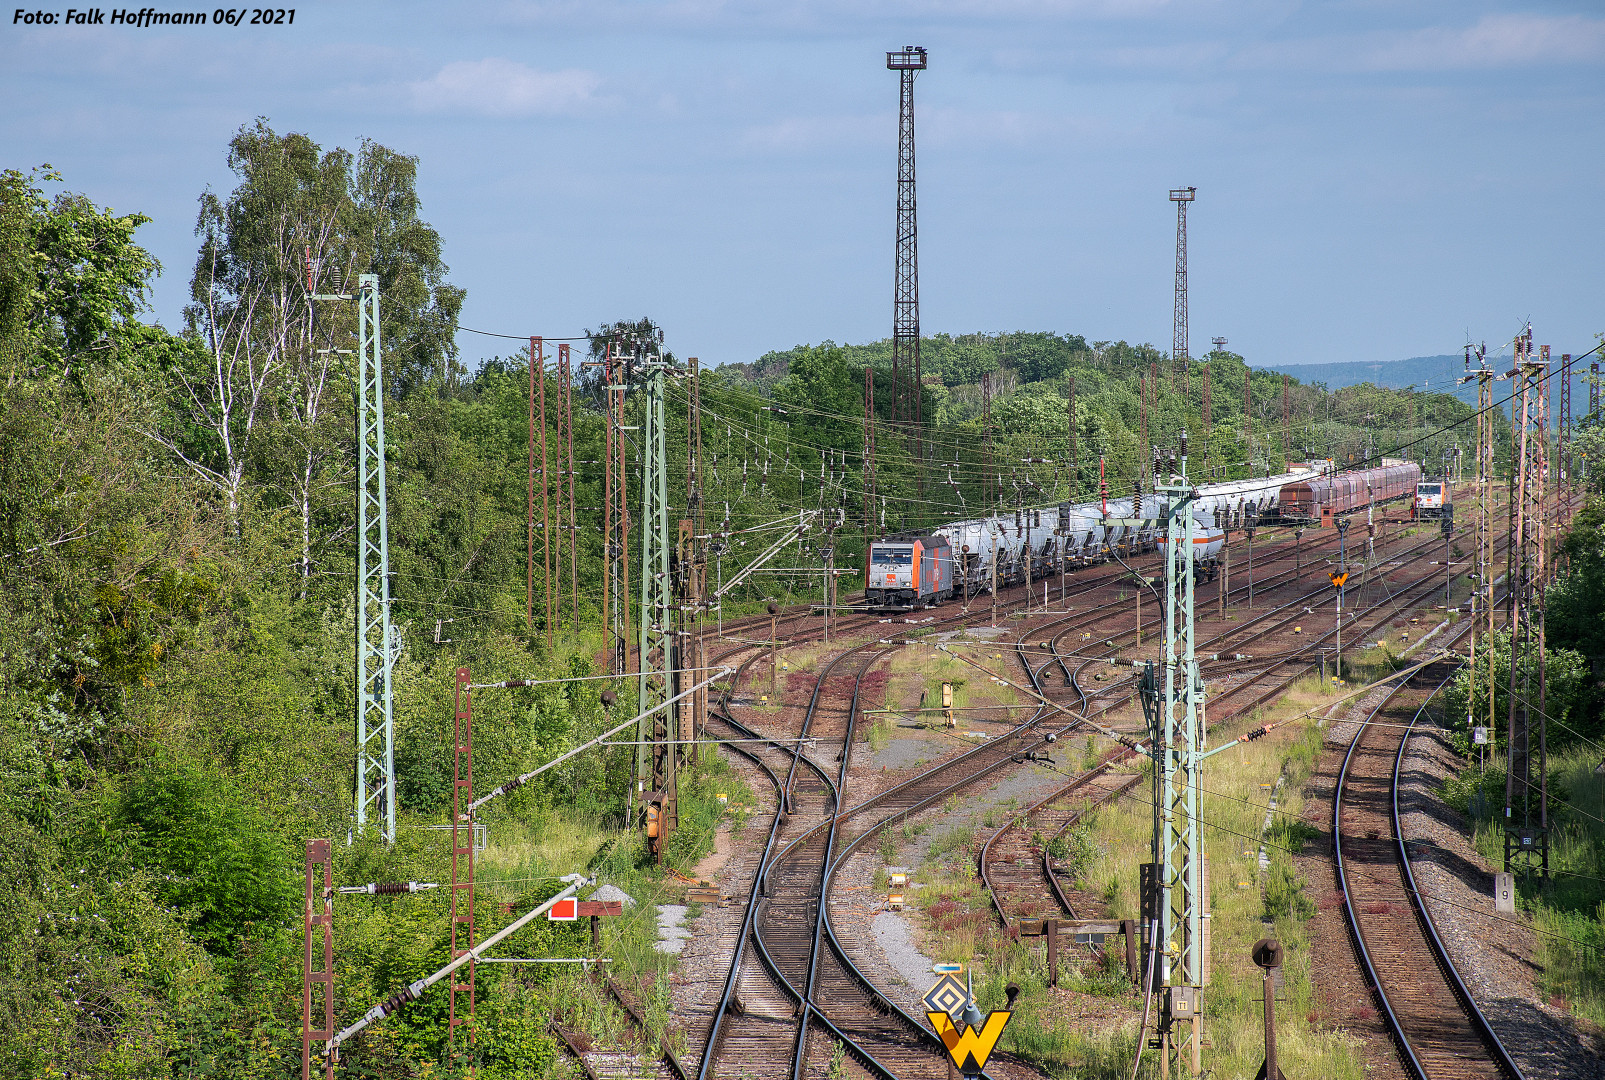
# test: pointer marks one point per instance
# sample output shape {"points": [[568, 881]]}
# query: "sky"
{"points": [[1375, 179]]}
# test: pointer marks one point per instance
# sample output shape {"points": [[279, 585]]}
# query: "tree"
{"points": [[302, 220], [71, 277]]}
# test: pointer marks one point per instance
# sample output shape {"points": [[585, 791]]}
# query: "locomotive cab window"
{"points": [[1430, 489], [893, 556]]}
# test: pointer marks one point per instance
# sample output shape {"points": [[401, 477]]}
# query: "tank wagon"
{"points": [[909, 570], [1317, 499], [1207, 544]]}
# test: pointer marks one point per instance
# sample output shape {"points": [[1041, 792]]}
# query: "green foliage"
{"points": [[700, 811], [217, 856], [1567, 699], [1074, 849], [1284, 893], [1475, 792], [71, 277], [1291, 833]]}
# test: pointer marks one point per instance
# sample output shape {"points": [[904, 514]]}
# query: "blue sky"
{"points": [[1375, 179]]}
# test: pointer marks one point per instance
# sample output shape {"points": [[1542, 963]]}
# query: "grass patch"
{"points": [[700, 811], [1237, 788], [1568, 913]]}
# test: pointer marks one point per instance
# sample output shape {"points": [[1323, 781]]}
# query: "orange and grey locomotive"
{"points": [[909, 571]]}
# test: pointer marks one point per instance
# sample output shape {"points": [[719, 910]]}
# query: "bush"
{"points": [[1074, 849], [1285, 896], [1291, 833], [218, 858]]}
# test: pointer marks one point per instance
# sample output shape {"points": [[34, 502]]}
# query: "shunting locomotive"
{"points": [[1433, 499], [909, 571]]}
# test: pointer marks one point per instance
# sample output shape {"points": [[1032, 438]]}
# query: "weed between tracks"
{"points": [[1087, 1027]]}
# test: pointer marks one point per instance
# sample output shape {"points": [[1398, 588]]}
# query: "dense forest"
{"points": [[177, 563]]}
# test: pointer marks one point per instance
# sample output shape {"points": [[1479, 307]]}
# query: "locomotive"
{"points": [[909, 571], [1433, 499]]}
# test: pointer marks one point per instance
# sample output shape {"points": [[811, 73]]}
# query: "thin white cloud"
{"points": [[820, 15], [810, 134], [498, 87], [1494, 41]]}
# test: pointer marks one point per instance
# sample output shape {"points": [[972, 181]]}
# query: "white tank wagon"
{"points": [[1079, 534], [1207, 544], [1040, 542], [1233, 503]]}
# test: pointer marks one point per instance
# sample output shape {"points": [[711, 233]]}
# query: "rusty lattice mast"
{"points": [[906, 281], [1178, 340]]}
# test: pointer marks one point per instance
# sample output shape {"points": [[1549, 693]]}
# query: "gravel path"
{"points": [[896, 938], [1493, 957]]}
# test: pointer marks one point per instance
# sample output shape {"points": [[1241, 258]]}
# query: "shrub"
{"points": [[1285, 896], [219, 858], [1291, 833]]}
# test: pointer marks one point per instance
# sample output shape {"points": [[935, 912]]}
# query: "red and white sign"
{"points": [[564, 910]]}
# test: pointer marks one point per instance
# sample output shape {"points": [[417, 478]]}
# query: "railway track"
{"points": [[1437, 1027], [792, 971], [1019, 874], [791, 975]]}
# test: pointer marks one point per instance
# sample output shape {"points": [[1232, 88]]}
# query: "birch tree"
{"points": [[275, 399]]}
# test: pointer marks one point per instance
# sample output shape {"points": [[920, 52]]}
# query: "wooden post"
{"points": [[1051, 928], [596, 911], [318, 917]]}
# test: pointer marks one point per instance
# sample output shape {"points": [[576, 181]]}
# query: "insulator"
{"points": [[390, 888]]}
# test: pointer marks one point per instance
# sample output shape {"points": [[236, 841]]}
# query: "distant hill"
{"points": [[1431, 374]]}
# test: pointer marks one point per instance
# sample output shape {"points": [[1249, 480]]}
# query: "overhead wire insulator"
{"points": [[389, 888]]}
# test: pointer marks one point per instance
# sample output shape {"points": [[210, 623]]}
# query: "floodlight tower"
{"points": [[906, 286], [1178, 343]]}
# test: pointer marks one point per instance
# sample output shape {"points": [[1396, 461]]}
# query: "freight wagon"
{"points": [[1319, 499], [1018, 546]]}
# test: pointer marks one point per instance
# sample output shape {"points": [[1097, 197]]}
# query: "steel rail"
{"points": [[1401, 1038], [1439, 952], [800, 1057], [984, 857]]}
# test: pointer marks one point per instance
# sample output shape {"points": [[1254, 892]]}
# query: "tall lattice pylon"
{"points": [[906, 282], [1526, 781], [1178, 340], [377, 643], [1483, 589], [658, 750], [1175, 886]]}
